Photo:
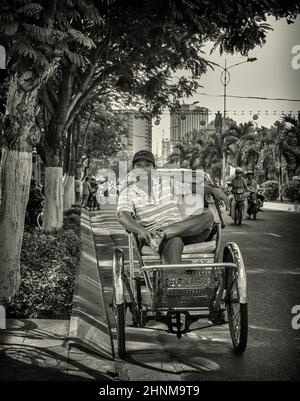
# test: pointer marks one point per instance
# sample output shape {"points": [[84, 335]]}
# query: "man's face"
{"points": [[238, 175], [145, 165]]}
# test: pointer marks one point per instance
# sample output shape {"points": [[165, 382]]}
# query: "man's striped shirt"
{"points": [[157, 211]]}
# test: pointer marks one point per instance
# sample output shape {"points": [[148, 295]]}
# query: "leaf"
{"points": [[24, 49], [75, 58], [30, 9], [7, 16], [9, 28], [81, 38], [45, 35]]}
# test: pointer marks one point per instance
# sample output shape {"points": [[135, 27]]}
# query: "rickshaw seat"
{"points": [[200, 247]]}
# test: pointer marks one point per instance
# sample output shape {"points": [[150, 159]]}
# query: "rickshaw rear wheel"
{"points": [[119, 311], [119, 303]]}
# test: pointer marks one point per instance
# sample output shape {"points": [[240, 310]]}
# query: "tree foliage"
{"points": [[257, 149]]}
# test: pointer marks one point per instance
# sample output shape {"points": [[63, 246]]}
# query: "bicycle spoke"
{"points": [[235, 313]]}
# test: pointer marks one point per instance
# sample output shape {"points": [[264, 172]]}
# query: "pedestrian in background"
{"points": [[77, 190], [93, 202], [86, 189]]}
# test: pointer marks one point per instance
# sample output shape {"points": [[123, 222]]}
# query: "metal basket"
{"points": [[190, 288]]}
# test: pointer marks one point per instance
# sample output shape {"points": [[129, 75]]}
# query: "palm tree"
{"points": [[212, 155], [241, 141], [268, 153], [289, 142], [188, 153]]}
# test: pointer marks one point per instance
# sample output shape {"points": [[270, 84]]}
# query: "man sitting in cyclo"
{"points": [[151, 212], [238, 186]]}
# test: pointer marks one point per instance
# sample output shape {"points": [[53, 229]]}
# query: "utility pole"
{"points": [[225, 79], [280, 177]]}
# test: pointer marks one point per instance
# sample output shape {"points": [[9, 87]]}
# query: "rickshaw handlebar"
{"points": [[185, 266]]}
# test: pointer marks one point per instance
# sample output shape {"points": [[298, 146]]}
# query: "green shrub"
{"points": [[48, 266], [291, 191], [72, 222], [74, 210], [271, 190]]}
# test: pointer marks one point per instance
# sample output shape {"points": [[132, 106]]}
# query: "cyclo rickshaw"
{"points": [[201, 287]]}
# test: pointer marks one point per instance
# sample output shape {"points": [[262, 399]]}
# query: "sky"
{"points": [[272, 75]]}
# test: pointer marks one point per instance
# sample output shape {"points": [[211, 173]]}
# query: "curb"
{"points": [[284, 207], [89, 326]]}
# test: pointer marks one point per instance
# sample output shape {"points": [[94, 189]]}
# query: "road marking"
{"points": [[252, 233], [239, 232], [267, 271]]}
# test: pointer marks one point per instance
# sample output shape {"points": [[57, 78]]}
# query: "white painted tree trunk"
{"points": [[19, 135], [69, 191], [54, 198], [15, 173]]}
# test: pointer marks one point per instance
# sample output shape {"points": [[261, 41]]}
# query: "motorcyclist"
{"points": [[253, 187], [260, 195], [238, 185], [251, 183]]}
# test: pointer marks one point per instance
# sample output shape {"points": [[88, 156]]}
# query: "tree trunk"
{"points": [[54, 146], [53, 213], [69, 182], [79, 143], [20, 134], [54, 190], [15, 181], [69, 191], [67, 147]]}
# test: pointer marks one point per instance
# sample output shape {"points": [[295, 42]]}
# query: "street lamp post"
{"points": [[280, 168], [225, 79], [280, 177]]}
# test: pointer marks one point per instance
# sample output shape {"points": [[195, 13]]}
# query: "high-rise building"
{"points": [[165, 150], [139, 131], [189, 118]]}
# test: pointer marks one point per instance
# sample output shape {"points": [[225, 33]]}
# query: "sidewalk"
{"points": [[285, 207], [39, 350], [64, 350]]}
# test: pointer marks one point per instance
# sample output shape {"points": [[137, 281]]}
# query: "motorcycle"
{"points": [[261, 197], [254, 205]]}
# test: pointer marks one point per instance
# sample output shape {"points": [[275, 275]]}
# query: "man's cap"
{"points": [[249, 172], [238, 170], [144, 155]]}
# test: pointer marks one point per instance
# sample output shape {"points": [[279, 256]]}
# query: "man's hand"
{"points": [[146, 235], [154, 238], [219, 195]]}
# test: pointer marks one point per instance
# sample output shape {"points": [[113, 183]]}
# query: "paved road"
{"points": [[270, 248]]}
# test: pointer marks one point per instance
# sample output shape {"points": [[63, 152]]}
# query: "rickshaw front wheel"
{"points": [[238, 320], [236, 298]]}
